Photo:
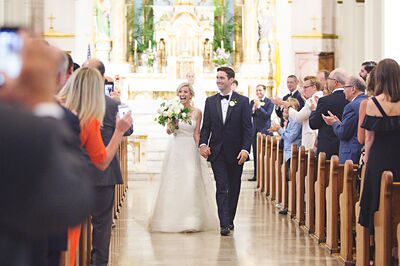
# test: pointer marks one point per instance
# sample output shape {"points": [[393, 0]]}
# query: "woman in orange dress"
{"points": [[83, 94]]}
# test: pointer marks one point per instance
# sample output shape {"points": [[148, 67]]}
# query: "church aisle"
{"points": [[261, 236]]}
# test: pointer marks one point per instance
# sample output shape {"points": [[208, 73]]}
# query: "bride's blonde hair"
{"points": [[185, 84]]}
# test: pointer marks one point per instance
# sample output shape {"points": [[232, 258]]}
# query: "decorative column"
{"points": [[119, 27], [2, 11], [374, 29], [84, 28], [250, 37], [391, 39], [37, 15]]}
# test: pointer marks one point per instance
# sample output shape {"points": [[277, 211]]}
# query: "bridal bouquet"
{"points": [[170, 112]]}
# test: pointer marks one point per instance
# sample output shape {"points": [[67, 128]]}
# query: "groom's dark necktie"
{"points": [[224, 97]]}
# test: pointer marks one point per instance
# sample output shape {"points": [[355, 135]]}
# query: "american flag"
{"points": [[89, 53]]}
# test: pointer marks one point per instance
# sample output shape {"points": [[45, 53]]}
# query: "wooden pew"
{"points": [[285, 186], [272, 169], [261, 162], [259, 156], [267, 166], [300, 185], [85, 241], [347, 201], [362, 233], [278, 172], [386, 219], [335, 186], [320, 187], [310, 192], [292, 182]]}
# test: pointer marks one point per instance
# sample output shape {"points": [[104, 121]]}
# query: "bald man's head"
{"points": [[97, 64]]}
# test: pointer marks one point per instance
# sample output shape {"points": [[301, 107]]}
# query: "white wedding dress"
{"points": [[185, 201]]}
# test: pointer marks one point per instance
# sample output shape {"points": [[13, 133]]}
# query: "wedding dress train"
{"points": [[185, 201]]}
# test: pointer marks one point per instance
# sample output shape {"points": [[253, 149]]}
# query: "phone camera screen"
{"points": [[10, 52]]}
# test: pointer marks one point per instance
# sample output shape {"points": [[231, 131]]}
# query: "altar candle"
{"points": [[233, 46], [222, 44], [135, 45], [149, 43]]}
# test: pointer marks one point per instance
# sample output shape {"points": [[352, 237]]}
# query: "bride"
{"points": [[184, 202]]}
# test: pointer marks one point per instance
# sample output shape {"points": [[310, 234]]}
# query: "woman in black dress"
{"points": [[382, 138]]}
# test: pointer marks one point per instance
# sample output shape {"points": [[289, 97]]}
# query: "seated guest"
{"points": [[312, 92], [291, 134], [366, 67], [235, 85], [382, 142], [346, 130], [262, 110], [327, 141]]}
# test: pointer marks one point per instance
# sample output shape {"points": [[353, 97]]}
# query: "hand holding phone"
{"points": [[123, 109], [10, 52], [108, 88]]}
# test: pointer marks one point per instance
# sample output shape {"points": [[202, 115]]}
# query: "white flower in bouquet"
{"points": [[171, 112]]}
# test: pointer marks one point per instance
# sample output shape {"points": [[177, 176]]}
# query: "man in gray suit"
{"points": [[104, 182]]}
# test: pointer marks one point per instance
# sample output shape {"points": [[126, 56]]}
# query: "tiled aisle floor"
{"points": [[261, 236]]}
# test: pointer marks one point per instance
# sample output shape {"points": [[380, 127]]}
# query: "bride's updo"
{"points": [[185, 84]]}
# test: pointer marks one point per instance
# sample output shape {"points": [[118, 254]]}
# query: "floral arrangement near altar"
{"points": [[149, 57], [221, 57], [171, 112]]}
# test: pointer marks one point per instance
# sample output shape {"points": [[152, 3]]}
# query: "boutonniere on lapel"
{"points": [[262, 103], [232, 102]]}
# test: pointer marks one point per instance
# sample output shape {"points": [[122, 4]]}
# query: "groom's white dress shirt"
{"points": [[225, 106]]}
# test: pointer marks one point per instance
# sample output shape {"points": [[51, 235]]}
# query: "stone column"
{"points": [[391, 39], [37, 15], [119, 38], [84, 28], [351, 36], [250, 32], [374, 29], [2, 10]]}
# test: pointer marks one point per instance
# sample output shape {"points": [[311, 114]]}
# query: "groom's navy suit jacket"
{"points": [[228, 138]]}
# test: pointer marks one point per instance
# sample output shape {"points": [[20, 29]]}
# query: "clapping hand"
{"points": [[330, 118], [274, 128]]}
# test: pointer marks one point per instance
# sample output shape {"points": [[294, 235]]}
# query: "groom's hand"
{"points": [[205, 151], [242, 157]]}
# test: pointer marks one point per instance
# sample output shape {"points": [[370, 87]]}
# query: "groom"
{"points": [[225, 141]]}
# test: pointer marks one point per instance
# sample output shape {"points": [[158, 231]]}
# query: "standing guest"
{"points": [[84, 95], [382, 142], [311, 92], [291, 134], [366, 67], [261, 113], [235, 85], [370, 91], [322, 78], [292, 83], [327, 141], [106, 180], [51, 165], [346, 130]]}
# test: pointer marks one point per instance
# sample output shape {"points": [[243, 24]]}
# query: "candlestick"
{"points": [[135, 45], [233, 46]]}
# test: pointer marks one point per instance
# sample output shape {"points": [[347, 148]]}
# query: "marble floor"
{"points": [[261, 236]]}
